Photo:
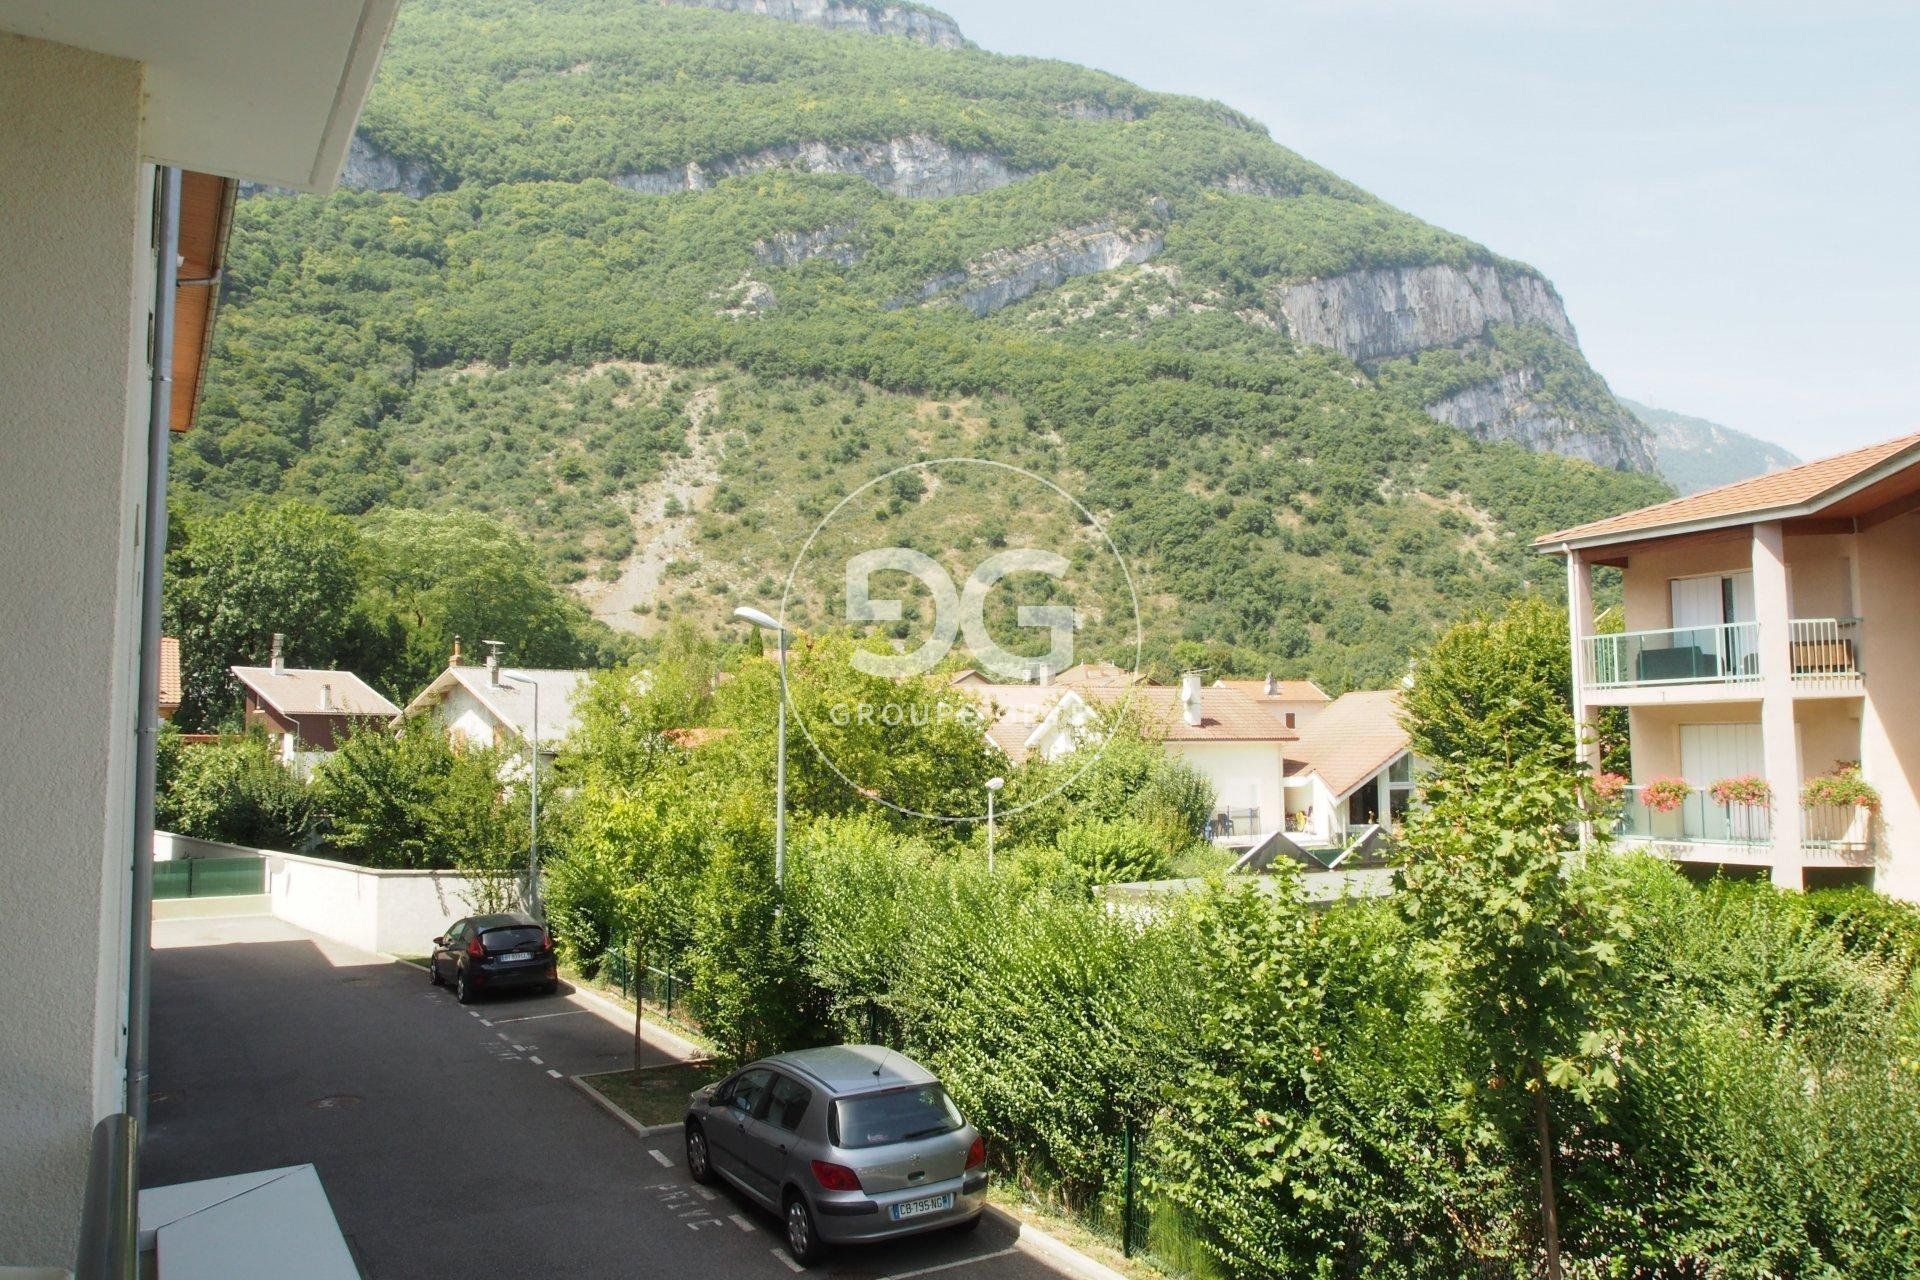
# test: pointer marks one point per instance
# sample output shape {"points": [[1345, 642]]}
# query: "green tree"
{"points": [[1494, 688], [1519, 943], [233, 790], [411, 799], [239, 577]]}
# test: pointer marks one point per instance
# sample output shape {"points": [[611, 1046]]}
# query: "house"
{"points": [[305, 710], [1772, 631], [1232, 742], [125, 127], [169, 690], [495, 706], [1352, 768], [1294, 703]]}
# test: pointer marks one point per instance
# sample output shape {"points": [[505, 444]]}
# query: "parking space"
{"points": [[450, 1138]]}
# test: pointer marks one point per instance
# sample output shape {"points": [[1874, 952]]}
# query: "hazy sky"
{"points": [[1726, 194]]}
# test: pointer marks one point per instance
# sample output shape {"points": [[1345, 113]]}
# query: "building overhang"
{"points": [[263, 90]]}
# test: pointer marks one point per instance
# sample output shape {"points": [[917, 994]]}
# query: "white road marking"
{"points": [[553, 1073], [473, 1013], [483, 1021], [531, 1017], [740, 1222], [664, 1162], [536, 1062], [948, 1266], [791, 1264], [503, 1035], [519, 1048], [704, 1194]]}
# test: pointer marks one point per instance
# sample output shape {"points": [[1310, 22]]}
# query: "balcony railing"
{"points": [[1234, 824], [1821, 650], [1698, 819]]}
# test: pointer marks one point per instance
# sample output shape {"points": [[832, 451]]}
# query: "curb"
{"points": [[600, 1100], [622, 1017], [1031, 1240]]}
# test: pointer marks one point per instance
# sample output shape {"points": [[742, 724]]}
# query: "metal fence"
{"points": [[661, 987], [209, 877]]}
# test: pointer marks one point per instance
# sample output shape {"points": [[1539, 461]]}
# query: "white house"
{"points": [[124, 125], [1352, 768], [494, 706]]}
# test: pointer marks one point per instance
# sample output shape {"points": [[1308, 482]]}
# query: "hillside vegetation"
{"points": [[1695, 454], [883, 251]]}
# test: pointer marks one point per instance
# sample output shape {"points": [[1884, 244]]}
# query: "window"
{"points": [[749, 1091], [788, 1104], [513, 938], [898, 1115], [1289, 719], [1401, 770]]}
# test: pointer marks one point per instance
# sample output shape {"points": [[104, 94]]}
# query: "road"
{"points": [[448, 1138]]}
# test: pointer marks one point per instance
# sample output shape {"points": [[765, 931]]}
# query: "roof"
{"points": [[849, 1068], [1283, 690], [1353, 739], [1808, 489], [511, 702], [303, 692], [169, 671], [1226, 715], [1100, 675]]}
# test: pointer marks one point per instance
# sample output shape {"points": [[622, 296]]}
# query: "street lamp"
{"points": [[993, 786], [533, 802], [767, 622]]}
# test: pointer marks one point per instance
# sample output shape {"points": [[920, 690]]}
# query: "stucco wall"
{"points": [[1817, 572], [1889, 573], [74, 274], [397, 912], [1244, 775]]}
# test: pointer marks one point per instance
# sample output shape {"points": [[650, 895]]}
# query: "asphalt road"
{"points": [[449, 1138]]}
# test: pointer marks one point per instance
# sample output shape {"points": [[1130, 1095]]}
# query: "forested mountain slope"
{"points": [[658, 283]]}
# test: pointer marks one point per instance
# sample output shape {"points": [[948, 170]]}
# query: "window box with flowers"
{"points": [[1748, 801], [1664, 795], [1839, 807], [1607, 790]]}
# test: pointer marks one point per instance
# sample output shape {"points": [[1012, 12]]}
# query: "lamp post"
{"points": [[993, 788], [767, 622], [533, 802]]}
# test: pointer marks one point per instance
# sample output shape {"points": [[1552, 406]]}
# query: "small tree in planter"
{"points": [[1664, 795], [1744, 797], [1840, 805]]}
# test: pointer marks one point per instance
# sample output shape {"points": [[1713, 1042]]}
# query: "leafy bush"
{"points": [[234, 790], [1115, 851], [413, 799]]}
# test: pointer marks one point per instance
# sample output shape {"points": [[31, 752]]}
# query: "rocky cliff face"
{"points": [[1510, 409], [368, 168], [936, 30], [791, 248], [917, 167], [1378, 314], [1001, 279]]}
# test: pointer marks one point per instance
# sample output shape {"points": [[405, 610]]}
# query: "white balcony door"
{"points": [[1712, 607], [1710, 752]]}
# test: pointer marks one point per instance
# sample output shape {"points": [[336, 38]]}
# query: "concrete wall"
{"points": [[397, 912], [75, 282], [1890, 722], [1245, 775]]}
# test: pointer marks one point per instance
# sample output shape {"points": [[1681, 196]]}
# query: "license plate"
{"points": [[517, 955], [914, 1208]]}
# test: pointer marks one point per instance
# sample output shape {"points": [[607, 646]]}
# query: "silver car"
{"points": [[850, 1142]]}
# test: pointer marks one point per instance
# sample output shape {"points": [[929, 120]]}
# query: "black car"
{"points": [[494, 953]]}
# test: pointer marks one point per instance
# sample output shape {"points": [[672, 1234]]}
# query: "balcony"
{"points": [[1701, 827], [1825, 653]]}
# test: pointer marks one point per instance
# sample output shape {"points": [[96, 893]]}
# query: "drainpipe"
{"points": [[153, 554]]}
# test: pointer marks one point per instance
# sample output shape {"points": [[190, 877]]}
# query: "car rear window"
{"points": [[897, 1115], [518, 938]]}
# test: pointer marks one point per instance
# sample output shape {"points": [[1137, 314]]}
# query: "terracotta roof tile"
{"points": [[1799, 486], [1283, 690], [1351, 740], [1226, 715], [169, 672]]}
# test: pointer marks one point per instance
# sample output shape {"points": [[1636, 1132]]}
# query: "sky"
{"points": [[1727, 195]]}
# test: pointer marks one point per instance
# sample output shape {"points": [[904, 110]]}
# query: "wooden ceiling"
{"points": [[206, 212]]}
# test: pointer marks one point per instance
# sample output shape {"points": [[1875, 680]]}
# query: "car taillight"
{"points": [[835, 1177], [475, 950], [546, 940], [977, 1153]]}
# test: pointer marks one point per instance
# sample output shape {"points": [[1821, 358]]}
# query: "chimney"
{"points": [[493, 663], [1190, 697], [1271, 687], [1046, 673], [326, 697], [454, 660], [279, 659]]}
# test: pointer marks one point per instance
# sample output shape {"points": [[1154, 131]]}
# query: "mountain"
{"points": [[658, 283], [1692, 454]]}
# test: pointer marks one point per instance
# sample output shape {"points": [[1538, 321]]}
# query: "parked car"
{"points": [[493, 953], [845, 1143]]}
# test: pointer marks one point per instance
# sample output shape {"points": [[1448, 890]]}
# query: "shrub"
{"points": [[1115, 851], [234, 790]]}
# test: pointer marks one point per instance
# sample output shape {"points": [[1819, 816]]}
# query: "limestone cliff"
{"points": [[916, 167], [1511, 408], [1003, 278], [926, 26], [1377, 314]]}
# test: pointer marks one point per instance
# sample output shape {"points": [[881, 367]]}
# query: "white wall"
{"points": [[464, 717], [75, 276], [1244, 775], [396, 912]]}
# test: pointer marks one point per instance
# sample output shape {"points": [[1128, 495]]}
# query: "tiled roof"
{"points": [[1226, 715], [512, 702], [169, 671], [1798, 490], [1283, 690], [305, 691], [1353, 739], [1100, 675]]}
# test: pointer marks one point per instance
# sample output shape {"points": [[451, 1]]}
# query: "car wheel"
{"points": [[802, 1241], [433, 974], [462, 989], [699, 1165]]}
